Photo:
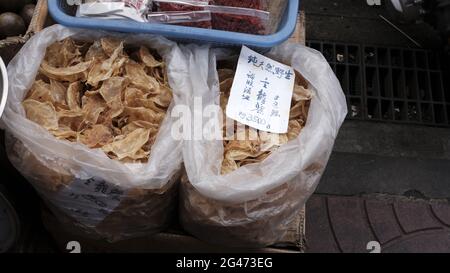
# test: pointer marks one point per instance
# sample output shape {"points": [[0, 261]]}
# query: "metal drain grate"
{"points": [[391, 84]]}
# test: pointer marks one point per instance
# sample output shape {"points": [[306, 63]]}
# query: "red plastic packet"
{"points": [[183, 6]]}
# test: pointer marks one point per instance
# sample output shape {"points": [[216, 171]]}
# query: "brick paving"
{"points": [[399, 224]]}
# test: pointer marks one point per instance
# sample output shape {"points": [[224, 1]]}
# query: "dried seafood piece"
{"points": [[40, 91], [138, 78], [110, 45], [43, 113], [134, 97], [301, 93], [238, 153], [164, 97], [69, 74], [128, 146], [95, 51], [270, 142], [148, 59], [63, 54], [143, 114], [58, 92], [92, 106], [96, 136], [65, 133], [82, 93], [73, 96], [104, 69]]}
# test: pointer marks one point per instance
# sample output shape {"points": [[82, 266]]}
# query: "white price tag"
{"points": [[261, 93]]}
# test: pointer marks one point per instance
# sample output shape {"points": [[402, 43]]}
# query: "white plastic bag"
{"points": [[253, 205], [105, 197]]}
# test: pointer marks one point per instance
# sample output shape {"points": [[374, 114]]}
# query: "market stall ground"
{"points": [[409, 176]]}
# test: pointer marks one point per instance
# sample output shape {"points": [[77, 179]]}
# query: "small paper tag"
{"points": [[261, 93]]}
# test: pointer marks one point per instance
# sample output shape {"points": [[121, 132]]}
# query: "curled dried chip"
{"points": [[134, 97], [301, 93], [110, 45], [73, 96], [143, 114], [40, 91], [238, 152], [96, 136], [228, 165], [102, 70], [148, 59], [122, 119], [95, 51], [294, 129], [111, 88], [130, 145], [69, 74], [138, 78], [92, 106], [58, 92], [65, 133], [140, 124], [42, 113], [270, 141], [163, 97], [63, 54]]}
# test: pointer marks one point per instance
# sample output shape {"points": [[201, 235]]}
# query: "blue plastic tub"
{"points": [[63, 13]]}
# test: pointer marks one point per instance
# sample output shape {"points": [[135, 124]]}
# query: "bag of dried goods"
{"points": [[244, 193], [253, 17], [87, 126]]}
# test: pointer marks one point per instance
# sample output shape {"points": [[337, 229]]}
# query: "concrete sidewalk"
{"points": [[398, 224]]}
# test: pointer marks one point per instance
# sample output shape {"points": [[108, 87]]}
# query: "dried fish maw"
{"points": [[148, 59], [144, 114], [134, 97], [96, 136], [70, 119], [92, 106], [42, 113], [110, 45], [128, 146], [138, 78], [65, 133], [58, 92], [140, 124], [228, 166], [270, 141], [111, 89], [69, 74], [40, 91], [294, 129], [301, 93], [95, 51], [104, 69], [164, 97], [63, 54], [73, 96]]}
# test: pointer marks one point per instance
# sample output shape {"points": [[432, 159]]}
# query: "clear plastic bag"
{"points": [[115, 9], [238, 18], [104, 197], [252, 206]]}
